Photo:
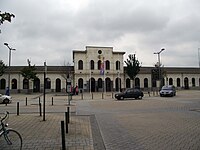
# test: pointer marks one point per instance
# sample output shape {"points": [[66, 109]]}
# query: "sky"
{"points": [[49, 30]]}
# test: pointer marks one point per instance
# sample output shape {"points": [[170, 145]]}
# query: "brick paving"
{"points": [[99, 122], [149, 124]]}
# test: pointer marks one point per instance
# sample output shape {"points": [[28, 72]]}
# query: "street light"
{"points": [[44, 91], [199, 56], [10, 49], [158, 53]]}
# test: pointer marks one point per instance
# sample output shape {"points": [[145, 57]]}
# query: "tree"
{"points": [[29, 72], [5, 17], [133, 67], [2, 67]]}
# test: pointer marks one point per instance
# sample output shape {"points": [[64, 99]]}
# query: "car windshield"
{"points": [[166, 88]]}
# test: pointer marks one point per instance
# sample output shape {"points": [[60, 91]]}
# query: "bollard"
{"points": [[26, 101], [68, 114], [81, 95], [66, 121], [149, 93], [92, 95], [39, 100], [112, 95], [40, 109], [63, 135], [52, 101], [17, 108], [102, 95]]}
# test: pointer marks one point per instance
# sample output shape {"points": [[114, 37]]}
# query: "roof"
{"points": [[143, 70], [39, 69], [171, 70]]}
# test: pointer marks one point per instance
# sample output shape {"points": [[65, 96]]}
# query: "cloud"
{"points": [[49, 30]]}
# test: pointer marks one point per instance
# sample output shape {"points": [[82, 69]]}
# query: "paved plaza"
{"points": [[99, 122]]}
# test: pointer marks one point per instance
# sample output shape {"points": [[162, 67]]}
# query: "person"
{"points": [[7, 91], [76, 89]]}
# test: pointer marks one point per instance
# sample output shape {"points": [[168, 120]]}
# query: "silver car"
{"points": [[5, 99], [168, 91]]}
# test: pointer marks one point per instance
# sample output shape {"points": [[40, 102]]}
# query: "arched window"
{"points": [[92, 64], [178, 82], [80, 83], [170, 81], [48, 83], [80, 65], [2, 84], [117, 65], [14, 84], [25, 84], [137, 82], [99, 64], [128, 83], [107, 65], [146, 83], [193, 82]]}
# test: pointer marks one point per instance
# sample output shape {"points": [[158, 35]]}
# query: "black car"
{"points": [[130, 93], [168, 91]]}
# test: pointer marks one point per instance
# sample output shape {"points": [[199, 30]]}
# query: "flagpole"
{"points": [[90, 79], [104, 74]]}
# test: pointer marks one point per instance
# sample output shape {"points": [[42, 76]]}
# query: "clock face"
{"points": [[99, 52]]}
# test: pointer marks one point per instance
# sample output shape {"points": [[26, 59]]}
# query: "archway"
{"points": [[137, 82], [92, 85], [186, 83], [128, 83], [58, 85], [117, 84], [36, 85], [146, 83], [108, 85], [100, 85]]}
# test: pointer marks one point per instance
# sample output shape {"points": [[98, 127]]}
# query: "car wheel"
{"points": [[121, 98], [6, 101], [136, 97]]}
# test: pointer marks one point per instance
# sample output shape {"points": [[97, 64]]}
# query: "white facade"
{"points": [[86, 74], [113, 69]]}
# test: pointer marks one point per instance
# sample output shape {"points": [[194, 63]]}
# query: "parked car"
{"points": [[5, 99], [130, 93], [168, 91]]}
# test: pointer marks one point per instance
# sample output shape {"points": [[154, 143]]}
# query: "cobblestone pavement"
{"points": [[38, 134], [153, 123], [99, 122]]}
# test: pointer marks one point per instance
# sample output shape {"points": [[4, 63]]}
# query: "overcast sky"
{"points": [[49, 30]]}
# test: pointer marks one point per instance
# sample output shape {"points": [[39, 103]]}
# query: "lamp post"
{"points": [[118, 73], [199, 56], [10, 49], [44, 91], [159, 76]]}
